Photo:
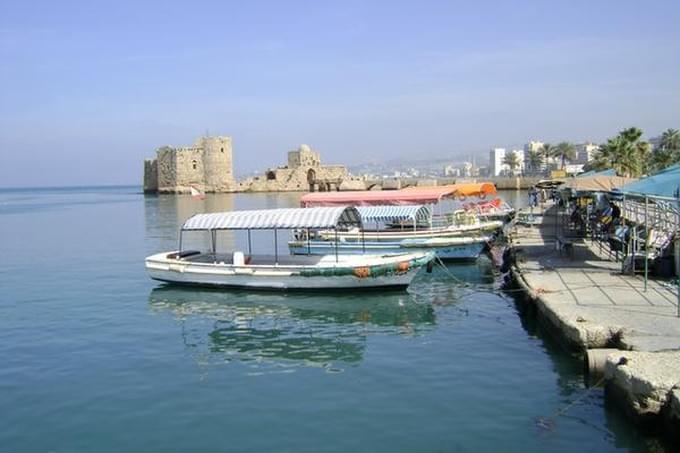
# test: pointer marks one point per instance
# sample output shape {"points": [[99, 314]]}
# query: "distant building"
{"points": [[655, 142], [520, 160], [585, 152], [303, 172], [451, 171], [533, 146], [496, 165], [207, 166]]}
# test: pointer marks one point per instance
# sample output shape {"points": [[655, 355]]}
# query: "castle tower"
{"points": [[217, 163]]}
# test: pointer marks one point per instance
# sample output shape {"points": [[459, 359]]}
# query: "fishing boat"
{"points": [[385, 238], [236, 269], [455, 207]]}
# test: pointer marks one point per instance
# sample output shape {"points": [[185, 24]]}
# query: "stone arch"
{"points": [[271, 175], [311, 179]]}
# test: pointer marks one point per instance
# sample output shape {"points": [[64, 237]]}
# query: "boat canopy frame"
{"points": [[273, 219]]}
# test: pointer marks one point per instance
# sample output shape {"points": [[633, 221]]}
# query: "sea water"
{"points": [[95, 356]]}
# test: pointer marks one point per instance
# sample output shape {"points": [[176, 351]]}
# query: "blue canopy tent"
{"points": [[653, 203], [664, 184]]}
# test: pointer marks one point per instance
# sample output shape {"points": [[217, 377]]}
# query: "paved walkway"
{"points": [[587, 295], [594, 306]]}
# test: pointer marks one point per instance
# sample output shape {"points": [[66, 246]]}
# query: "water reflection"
{"points": [[274, 330]]}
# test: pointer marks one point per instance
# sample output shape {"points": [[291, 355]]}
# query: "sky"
{"points": [[88, 89]]}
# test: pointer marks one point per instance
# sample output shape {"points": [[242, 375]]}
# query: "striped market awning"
{"points": [[269, 219], [395, 213]]}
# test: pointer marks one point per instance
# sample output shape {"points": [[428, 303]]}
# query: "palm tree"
{"points": [[605, 157], [546, 151], [670, 139], [625, 153], [535, 160], [667, 153], [564, 151], [511, 160], [662, 158], [632, 134]]}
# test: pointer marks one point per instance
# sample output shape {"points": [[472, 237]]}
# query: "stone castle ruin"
{"points": [[304, 172], [208, 166]]}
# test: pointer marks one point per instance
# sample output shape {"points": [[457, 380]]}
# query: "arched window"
{"points": [[193, 163]]}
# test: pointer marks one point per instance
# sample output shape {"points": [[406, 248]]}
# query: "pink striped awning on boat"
{"points": [[412, 195]]}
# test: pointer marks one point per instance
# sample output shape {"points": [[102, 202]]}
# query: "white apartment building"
{"points": [[496, 159], [585, 152], [496, 165]]}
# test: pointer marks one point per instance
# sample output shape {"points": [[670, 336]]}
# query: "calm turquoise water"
{"points": [[94, 356]]}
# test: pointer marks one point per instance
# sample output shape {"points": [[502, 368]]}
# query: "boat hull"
{"points": [[448, 251], [275, 277], [392, 235]]}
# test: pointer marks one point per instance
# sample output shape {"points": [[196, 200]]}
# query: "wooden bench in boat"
{"points": [[228, 258]]}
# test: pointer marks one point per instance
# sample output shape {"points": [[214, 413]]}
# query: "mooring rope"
{"points": [[548, 423], [481, 287]]}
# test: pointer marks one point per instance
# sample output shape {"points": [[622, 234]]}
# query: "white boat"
{"points": [[456, 248], [237, 269], [408, 237]]}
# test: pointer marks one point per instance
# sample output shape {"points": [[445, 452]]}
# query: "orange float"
{"points": [[362, 272], [404, 266]]}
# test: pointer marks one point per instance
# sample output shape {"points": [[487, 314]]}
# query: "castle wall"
{"points": [[296, 179], [207, 165], [303, 157], [217, 156], [166, 168], [150, 175], [189, 169]]}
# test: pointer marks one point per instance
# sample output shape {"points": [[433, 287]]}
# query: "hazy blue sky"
{"points": [[88, 89]]}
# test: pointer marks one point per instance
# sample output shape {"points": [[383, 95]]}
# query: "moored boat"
{"points": [[388, 239], [456, 248], [457, 209], [273, 272]]}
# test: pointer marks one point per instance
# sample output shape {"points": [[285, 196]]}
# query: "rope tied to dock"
{"points": [[549, 423]]}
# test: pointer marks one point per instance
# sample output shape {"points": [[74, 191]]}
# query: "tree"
{"points": [[670, 140], [668, 152], [546, 151], [535, 160], [511, 160], [662, 158], [564, 151], [626, 153]]}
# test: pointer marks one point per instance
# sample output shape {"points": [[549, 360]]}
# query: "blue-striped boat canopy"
{"points": [[413, 213], [269, 219]]}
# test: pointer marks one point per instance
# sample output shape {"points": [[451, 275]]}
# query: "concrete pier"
{"points": [[582, 295]]}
